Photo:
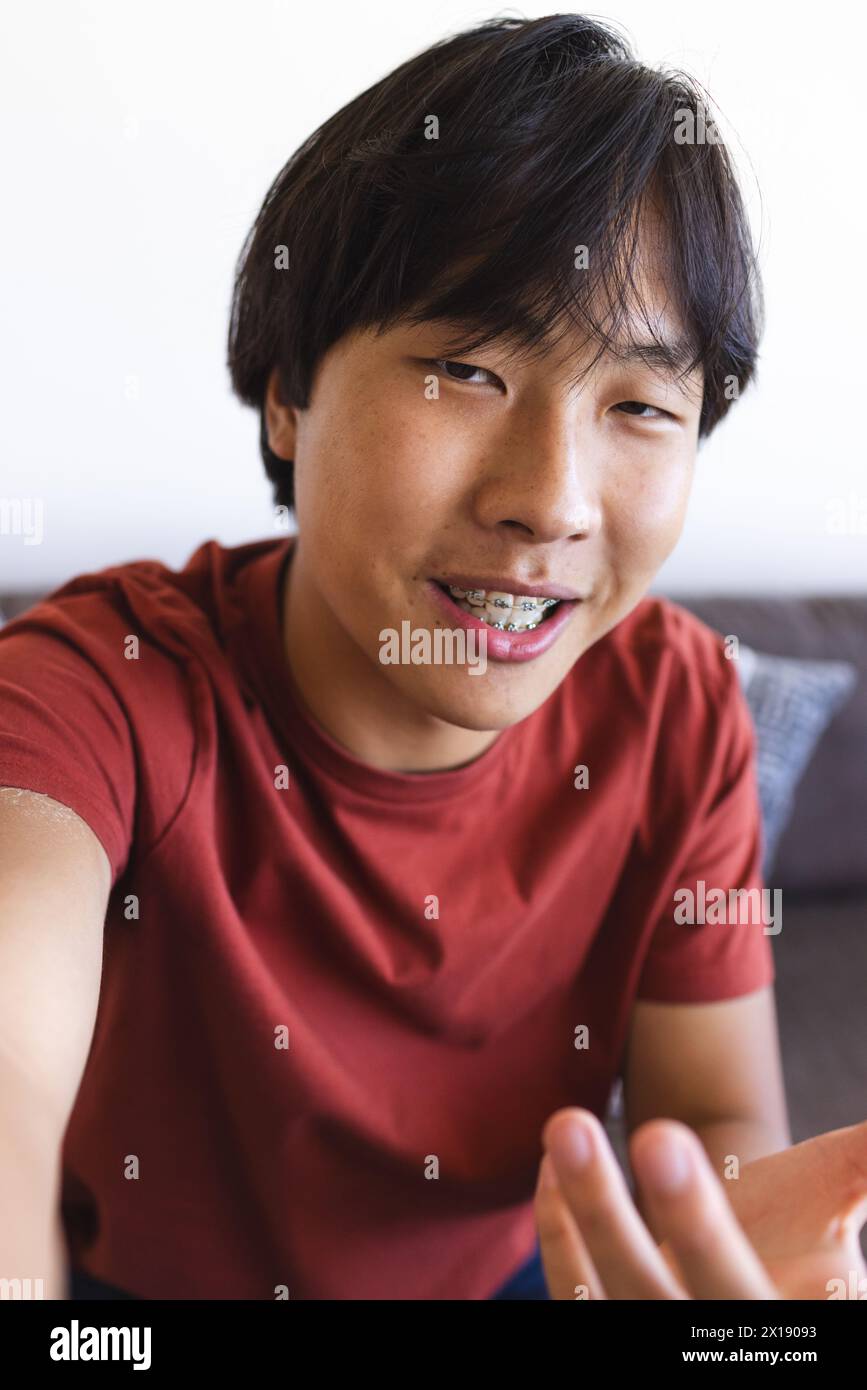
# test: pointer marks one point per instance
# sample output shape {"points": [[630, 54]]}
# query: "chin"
{"points": [[472, 703]]}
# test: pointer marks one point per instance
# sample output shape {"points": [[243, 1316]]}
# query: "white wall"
{"points": [[139, 139]]}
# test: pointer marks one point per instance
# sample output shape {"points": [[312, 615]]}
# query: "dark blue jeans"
{"points": [[528, 1281]]}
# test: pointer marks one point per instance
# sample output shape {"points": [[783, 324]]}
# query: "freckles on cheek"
{"points": [[646, 521], [404, 465]]}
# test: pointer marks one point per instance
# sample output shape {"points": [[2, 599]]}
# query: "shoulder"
{"points": [[678, 690], [661, 626], [106, 687], [149, 642], [675, 658], [169, 615]]}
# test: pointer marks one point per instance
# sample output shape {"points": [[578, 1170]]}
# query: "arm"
{"points": [[55, 880], [716, 1068]]}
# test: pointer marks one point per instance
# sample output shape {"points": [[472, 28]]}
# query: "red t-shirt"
{"points": [[338, 1003]]}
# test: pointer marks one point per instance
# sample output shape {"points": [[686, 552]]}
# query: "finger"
{"points": [[622, 1250], [844, 1172], [569, 1271], [687, 1204]]}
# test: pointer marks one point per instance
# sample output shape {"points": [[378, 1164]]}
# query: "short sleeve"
{"points": [[64, 732], [711, 940]]}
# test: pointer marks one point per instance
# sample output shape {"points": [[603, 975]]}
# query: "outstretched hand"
{"points": [[786, 1228]]}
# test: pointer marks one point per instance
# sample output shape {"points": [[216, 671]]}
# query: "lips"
{"points": [[508, 646]]}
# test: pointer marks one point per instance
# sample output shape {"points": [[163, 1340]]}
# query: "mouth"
{"points": [[497, 608], [521, 621]]}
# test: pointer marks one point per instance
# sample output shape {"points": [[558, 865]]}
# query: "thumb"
{"points": [[844, 1169], [810, 1192]]}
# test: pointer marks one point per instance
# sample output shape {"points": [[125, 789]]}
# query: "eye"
{"points": [[445, 364], [641, 406]]}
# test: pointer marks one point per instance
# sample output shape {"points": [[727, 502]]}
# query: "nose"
{"points": [[541, 484]]}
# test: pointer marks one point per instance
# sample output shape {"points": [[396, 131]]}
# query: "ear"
{"points": [[280, 420]]}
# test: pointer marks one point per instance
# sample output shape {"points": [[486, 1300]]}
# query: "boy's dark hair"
{"points": [[551, 135]]}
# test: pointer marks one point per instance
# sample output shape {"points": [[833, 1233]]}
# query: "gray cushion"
{"points": [[792, 703], [824, 847]]}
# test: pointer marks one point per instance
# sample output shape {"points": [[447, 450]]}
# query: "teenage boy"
{"points": [[367, 925]]}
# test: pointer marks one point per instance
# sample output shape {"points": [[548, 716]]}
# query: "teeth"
{"points": [[509, 625], [508, 612], [498, 605], [483, 598]]}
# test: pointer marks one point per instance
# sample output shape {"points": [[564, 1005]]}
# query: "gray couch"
{"points": [[820, 865]]}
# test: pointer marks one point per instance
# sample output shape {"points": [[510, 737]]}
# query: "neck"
{"points": [[354, 701]]}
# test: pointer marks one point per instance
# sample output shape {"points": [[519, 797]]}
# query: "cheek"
{"points": [[645, 517], [379, 468]]}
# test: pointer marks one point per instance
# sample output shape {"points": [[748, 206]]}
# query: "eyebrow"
{"points": [[671, 356]]}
